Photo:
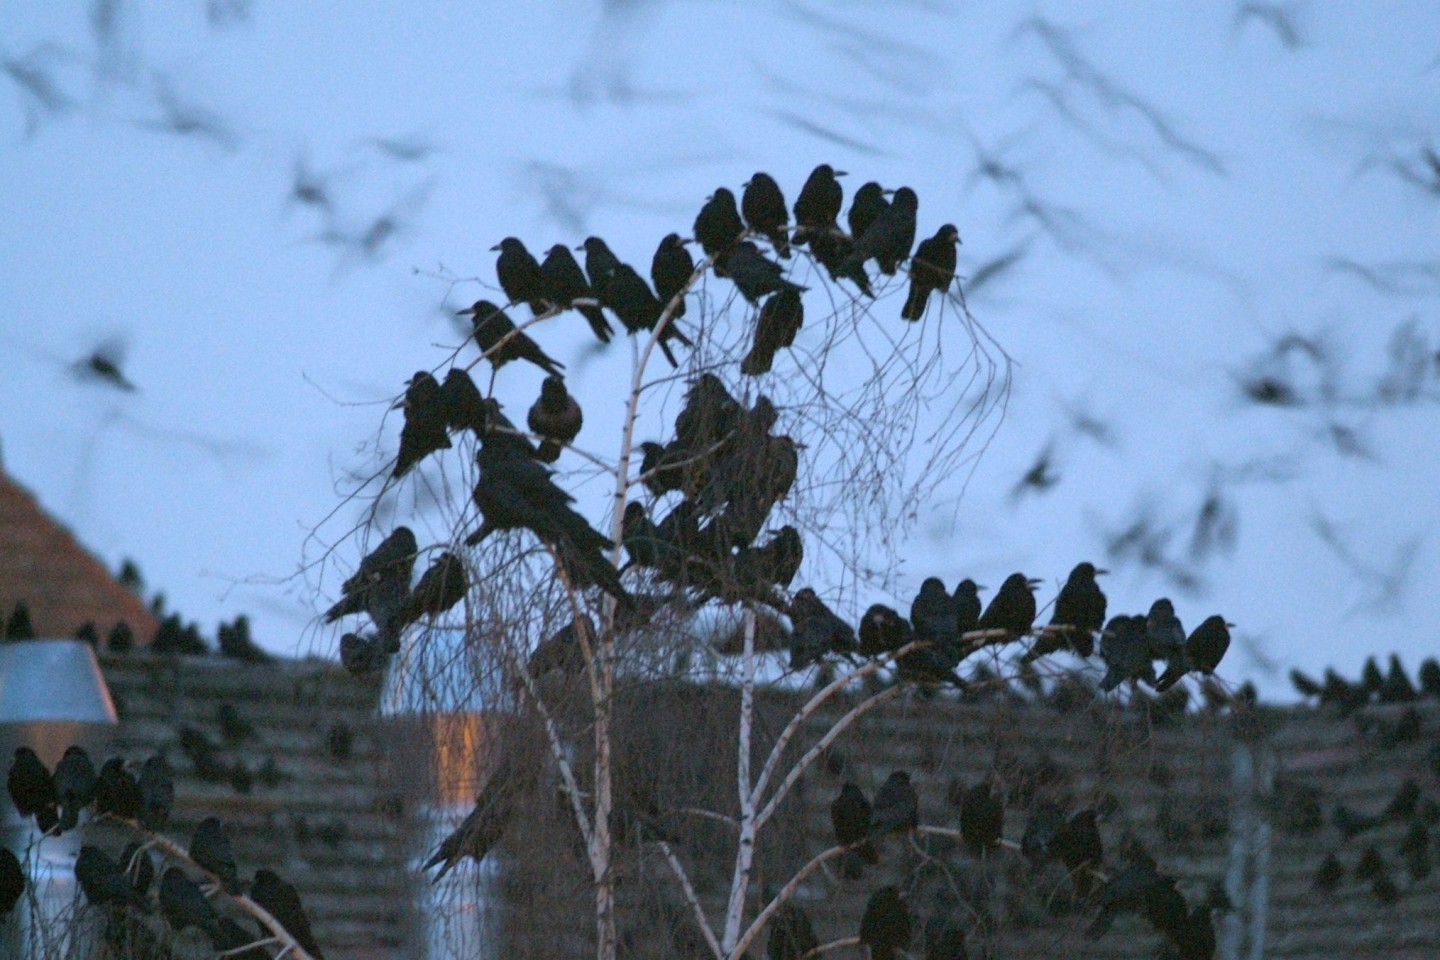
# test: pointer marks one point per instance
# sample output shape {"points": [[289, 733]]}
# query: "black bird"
{"points": [[1042, 829], [967, 605], [1415, 850], [885, 925], [882, 630], [931, 269], [75, 783], [1329, 874], [671, 269], [1207, 644], [815, 631], [18, 627], [763, 206], [758, 570], [465, 408], [102, 881], [1012, 609], [520, 275], [1397, 687], [1165, 636], [157, 793], [1126, 652], [1080, 607], [1430, 677], [865, 208], [718, 226], [850, 815], [1371, 679], [116, 791], [440, 587], [889, 237], [210, 849], [896, 808], [935, 615], [982, 818], [555, 417], [483, 826], [184, 905], [791, 934], [1079, 847], [818, 204], [279, 899], [362, 656], [1165, 908], [12, 882], [753, 274], [425, 422], [627, 294], [1304, 685], [564, 283], [781, 317], [492, 327], [381, 583], [708, 415], [1127, 891], [600, 262], [32, 789]]}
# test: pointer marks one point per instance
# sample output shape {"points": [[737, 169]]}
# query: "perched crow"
{"points": [[1127, 891], [210, 849], [157, 793], [1012, 609], [791, 934], [600, 262], [816, 631], [718, 226], [102, 881], [931, 270], [982, 818], [1304, 685], [1207, 644], [520, 275], [441, 586], [1397, 687], [1042, 830], [885, 925], [465, 408], [1430, 677], [362, 656], [818, 204], [381, 583], [184, 905], [763, 206], [967, 605], [1079, 847], [279, 899], [75, 783], [850, 815], [12, 882], [32, 789], [1126, 652], [753, 274], [882, 631], [564, 283], [866, 206], [556, 417], [501, 341], [426, 419], [484, 825], [935, 615], [896, 808], [781, 317], [1079, 614], [116, 791], [626, 293], [670, 270], [1165, 636]]}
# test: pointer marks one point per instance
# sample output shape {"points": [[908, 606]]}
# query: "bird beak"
{"points": [[1099, 572], [686, 241], [1033, 582], [840, 173], [978, 588], [467, 312], [888, 193], [496, 247]]}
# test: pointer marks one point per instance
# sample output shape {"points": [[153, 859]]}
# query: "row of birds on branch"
{"points": [[944, 628], [882, 227], [56, 800], [1373, 685]]}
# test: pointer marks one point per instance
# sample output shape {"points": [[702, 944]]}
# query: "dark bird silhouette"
{"points": [[967, 605], [555, 417], [791, 934], [1126, 652], [818, 205], [763, 206], [157, 793], [1370, 865], [12, 882], [1397, 687], [465, 407], [184, 905], [708, 415], [718, 226], [235, 642], [1012, 609], [381, 583], [882, 630], [1042, 829], [1165, 636], [865, 208], [1430, 677], [671, 269], [116, 791], [753, 274], [279, 899], [1079, 847], [104, 366], [889, 238], [1127, 891], [75, 783], [102, 881], [362, 656], [1304, 685], [18, 627], [425, 422], [850, 815], [816, 631], [935, 616], [1415, 851], [781, 317], [440, 587], [1402, 805], [600, 262], [501, 341], [483, 826], [563, 283], [896, 808], [885, 925], [1079, 615], [982, 818], [627, 294], [1207, 644], [32, 789], [1329, 874], [519, 275], [931, 270], [210, 849]]}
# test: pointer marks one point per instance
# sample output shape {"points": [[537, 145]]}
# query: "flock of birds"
{"points": [[56, 800]]}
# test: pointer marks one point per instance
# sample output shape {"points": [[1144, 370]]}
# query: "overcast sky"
{"points": [[1168, 191]]}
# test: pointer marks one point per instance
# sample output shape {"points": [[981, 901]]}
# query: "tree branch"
{"points": [[689, 891]]}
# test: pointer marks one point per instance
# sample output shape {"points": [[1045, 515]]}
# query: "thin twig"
{"points": [[688, 890]]}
